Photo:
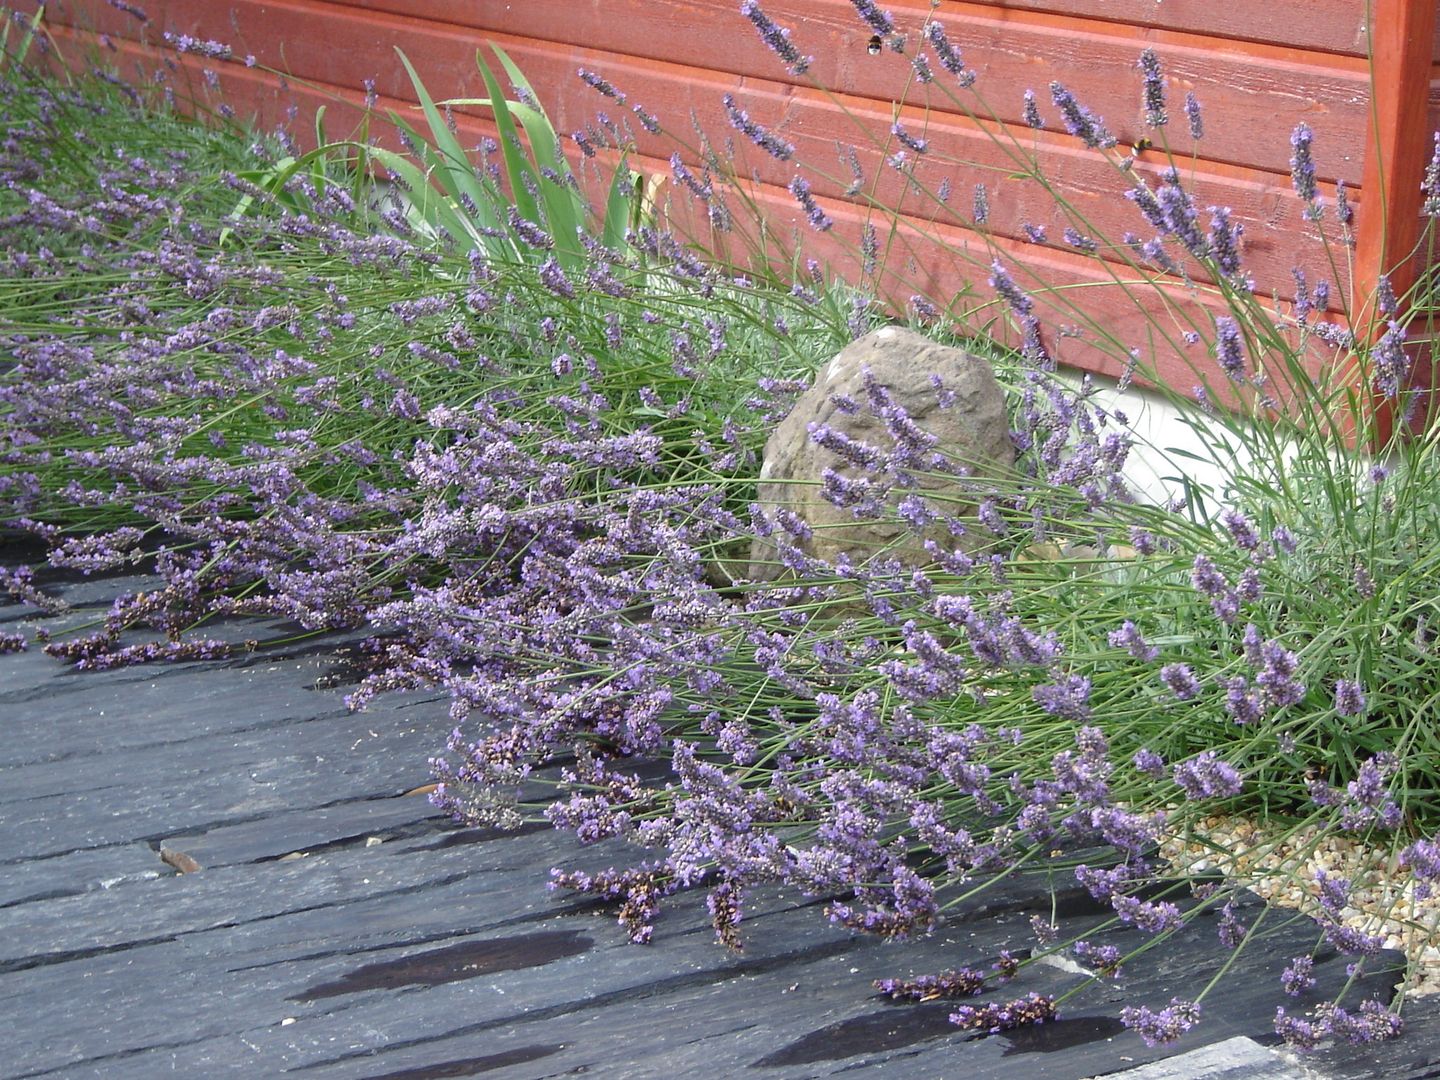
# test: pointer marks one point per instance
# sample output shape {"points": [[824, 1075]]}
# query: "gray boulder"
{"points": [[948, 402]]}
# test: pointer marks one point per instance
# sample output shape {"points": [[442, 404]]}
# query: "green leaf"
{"points": [[429, 205], [457, 175], [564, 208], [517, 169], [618, 206]]}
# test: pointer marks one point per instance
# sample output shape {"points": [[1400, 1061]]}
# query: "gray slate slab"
{"points": [[303, 946]]}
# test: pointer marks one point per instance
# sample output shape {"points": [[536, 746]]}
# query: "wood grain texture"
{"points": [[938, 259], [678, 57], [1395, 158], [1336, 26]]}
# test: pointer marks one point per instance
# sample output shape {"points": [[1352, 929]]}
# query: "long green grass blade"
{"points": [[618, 206], [458, 175], [564, 207], [517, 169], [430, 205]]}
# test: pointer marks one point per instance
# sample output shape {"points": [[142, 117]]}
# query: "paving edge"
{"points": [[1239, 1058]]}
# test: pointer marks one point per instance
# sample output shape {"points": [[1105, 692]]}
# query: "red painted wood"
{"points": [[957, 266], [1315, 25], [1276, 237], [1398, 145], [1254, 95], [1267, 86]]}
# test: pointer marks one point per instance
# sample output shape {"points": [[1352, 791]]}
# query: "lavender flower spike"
{"points": [[1153, 94], [1431, 184], [819, 220], [600, 85], [1230, 348], [777, 38], [1080, 121], [1164, 1026], [948, 55], [1192, 113], [1302, 168], [877, 20], [1007, 290], [768, 141], [1031, 111]]}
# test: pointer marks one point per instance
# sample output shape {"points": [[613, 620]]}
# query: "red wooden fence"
{"points": [[1257, 69]]}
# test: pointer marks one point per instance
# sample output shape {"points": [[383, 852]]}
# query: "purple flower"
{"points": [[771, 143], [184, 43], [1230, 348], [776, 38], [981, 211], [1297, 1031], [1149, 762], [1153, 917], [1128, 637], [1302, 169], [1224, 241], [1430, 186], [1240, 529], [960, 982], [554, 279], [1276, 680], [1389, 362], [819, 220], [1080, 121], [877, 20], [600, 85], [1349, 697], [1068, 697], [1162, 1027], [1192, 113], [1104, 959], [129, 9], [1373, 1022], [1241, 703], [1207, 776], [1008, 291], [947, 54], [1153, 91], [1386, 302], [1031, 111], [1004, 1016], [1206, 577], [920, 146], [1298, 976]]}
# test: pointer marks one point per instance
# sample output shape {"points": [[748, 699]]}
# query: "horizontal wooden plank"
{"points": [[965, 151], [1335, 26], [1253, 99], [1081, 289]]}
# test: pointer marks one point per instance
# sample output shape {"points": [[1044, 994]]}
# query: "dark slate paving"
{"points": [[338, 927]]}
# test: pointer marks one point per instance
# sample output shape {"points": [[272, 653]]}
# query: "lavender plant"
{"points": [[523, 470]]}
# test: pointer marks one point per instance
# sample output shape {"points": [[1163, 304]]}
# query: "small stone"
{"points": [[183, 864], [972, 428]]}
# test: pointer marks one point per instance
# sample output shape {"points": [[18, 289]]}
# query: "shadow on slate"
{"points": [[888, 1029], [443, 1070], [120, 969], [468, 960]]}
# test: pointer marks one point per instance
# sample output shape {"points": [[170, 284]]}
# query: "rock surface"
{"points": [[303, 948], [964, 418]]}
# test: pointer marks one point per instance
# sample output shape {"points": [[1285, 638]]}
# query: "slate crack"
{"points": [[629, 994]]}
